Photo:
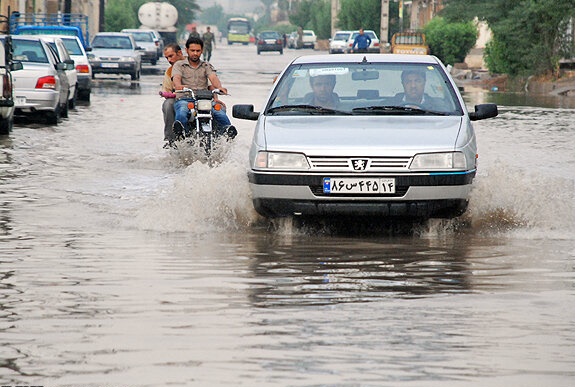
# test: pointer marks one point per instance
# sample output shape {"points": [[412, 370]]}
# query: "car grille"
{"points": [[110, 58], [345, 164]]}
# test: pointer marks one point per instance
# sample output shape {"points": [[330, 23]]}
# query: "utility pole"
{"points": [[384, 25], [335, 8]]}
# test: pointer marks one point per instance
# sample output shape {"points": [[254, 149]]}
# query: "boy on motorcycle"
{"points": [[195, 74]]}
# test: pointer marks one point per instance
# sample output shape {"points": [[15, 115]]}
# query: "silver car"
{"points": [[6, 85], [363, 134], [115, 53], [339, 42], [148, 41], [41, 87], [60, 49]]}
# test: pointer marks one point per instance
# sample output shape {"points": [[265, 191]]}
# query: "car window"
{"points": [[120, 42], [342, 36], [359, 86], [269, 35], [72, 46], [142, 36], [29, 51]]}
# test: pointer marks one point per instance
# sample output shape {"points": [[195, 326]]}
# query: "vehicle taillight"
{"points": [[47, 82], [278, 41], [6, 87], [82, 69]]}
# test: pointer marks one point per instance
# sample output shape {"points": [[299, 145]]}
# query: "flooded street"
{"points": [[126, 264]]}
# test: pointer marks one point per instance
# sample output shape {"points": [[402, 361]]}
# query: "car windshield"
{"points": [[120, 42], [364, 89], [29, 51], [142, 36], [342, 36], [269, 35]]}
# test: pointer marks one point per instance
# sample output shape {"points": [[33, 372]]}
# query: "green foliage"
{"points": [[529, 36], [116, 17], [355, 14], [450, 42], [313, 15]]}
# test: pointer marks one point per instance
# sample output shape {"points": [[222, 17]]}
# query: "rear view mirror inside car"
{"points": [[365, 75]]}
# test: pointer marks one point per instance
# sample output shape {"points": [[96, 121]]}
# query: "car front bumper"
{"points": [[113, 67], [416, 196]]}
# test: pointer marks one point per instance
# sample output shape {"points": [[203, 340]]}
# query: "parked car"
{"points": [[160, 40], [339, 42], [83, 68], [269, 41], [7, 86], [148, 41], [41, 87], [115, 53], [409, 42], [309, 39], [375, 46], [63, 54], [369, 148], [292, 40]]}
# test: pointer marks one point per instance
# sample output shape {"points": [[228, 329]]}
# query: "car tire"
{"points": [[6, 126], [84, 95], [280, 52], [53, 116], [72, 102], [258, 52]]}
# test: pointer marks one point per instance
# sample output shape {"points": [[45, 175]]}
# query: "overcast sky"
{"points": [[232, 6]]}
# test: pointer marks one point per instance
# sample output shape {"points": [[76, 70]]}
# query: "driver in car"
{"points": [[414, 95], [322, 94]]}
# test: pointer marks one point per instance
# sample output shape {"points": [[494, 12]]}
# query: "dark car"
{"points": [[269, 41]]}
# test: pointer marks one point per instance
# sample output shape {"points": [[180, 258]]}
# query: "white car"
{"points": [[375, 46], [7, 86], [309, 39], [148, 41], [116, 53], [57, 44], [339, 42], [366, 142], [41, 87]]}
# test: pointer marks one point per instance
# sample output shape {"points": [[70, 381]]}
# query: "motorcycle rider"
{"points": [[195, 74]]}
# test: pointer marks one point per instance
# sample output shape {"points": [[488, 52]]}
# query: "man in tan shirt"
{"points": [[172, 53]]}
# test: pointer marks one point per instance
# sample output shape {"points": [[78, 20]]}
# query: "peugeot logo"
{"points": [[359, 164]]}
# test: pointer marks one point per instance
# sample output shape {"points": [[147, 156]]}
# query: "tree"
{"points": [[313, 15], [529, 36], [450, 42], [355, 14]]}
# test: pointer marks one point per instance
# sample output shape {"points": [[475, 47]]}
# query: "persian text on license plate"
{"points": [[110, 65], [333, 185]]}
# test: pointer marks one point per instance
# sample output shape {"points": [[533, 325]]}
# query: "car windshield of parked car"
{"points": [[370, 34], [119, 42], [364, 89], [344, 36], [29, 51]]}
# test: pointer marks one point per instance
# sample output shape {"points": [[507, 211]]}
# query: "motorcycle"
{"points": [[201, 128]]}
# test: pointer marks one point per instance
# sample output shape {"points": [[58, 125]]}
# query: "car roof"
{"points": [[373, 58], [112, 34]]}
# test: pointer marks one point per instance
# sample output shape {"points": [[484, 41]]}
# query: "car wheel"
{"points": [[258, 52], [53, 116], [6, 126], [84, 95], [280, 52]]}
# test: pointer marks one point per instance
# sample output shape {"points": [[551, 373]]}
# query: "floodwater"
{"points": [[125, 264]]}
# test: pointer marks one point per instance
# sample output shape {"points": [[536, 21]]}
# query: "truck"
{"points": [[161, 17], [409, 42], [74, 24]]}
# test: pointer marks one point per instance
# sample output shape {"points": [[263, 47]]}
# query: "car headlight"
{"points": [[275, 160], [127, 59], [431, 161]]}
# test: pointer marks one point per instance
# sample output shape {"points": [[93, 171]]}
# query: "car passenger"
{"points": [[414, 81], [323, 94]]}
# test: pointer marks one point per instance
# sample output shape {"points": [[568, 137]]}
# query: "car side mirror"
{"points": [[482, 111], [61, 66], [70, 65], [87, 49], [16, 65], [245, 112]]}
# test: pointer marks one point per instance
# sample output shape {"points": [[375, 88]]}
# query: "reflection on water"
{"points": [[122, 263]]}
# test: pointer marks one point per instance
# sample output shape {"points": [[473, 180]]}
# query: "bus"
{"points": [[238, 30]]}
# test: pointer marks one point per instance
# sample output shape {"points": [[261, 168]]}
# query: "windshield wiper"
{"points": [[391, 109], [305, 108]]}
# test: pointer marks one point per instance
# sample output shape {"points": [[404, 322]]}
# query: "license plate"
{"points": [[270, 41], [20, 100], [110, 65], [333, 185]]}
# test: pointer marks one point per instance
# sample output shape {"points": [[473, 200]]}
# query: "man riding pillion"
{"points": [[195, 74]]}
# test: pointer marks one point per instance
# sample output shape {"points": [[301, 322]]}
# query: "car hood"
{"points": [[112, 52], [360, 135]]}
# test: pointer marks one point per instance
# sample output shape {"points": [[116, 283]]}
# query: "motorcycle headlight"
{"points": [[277, 160], [204, 104], [435, 161]]}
